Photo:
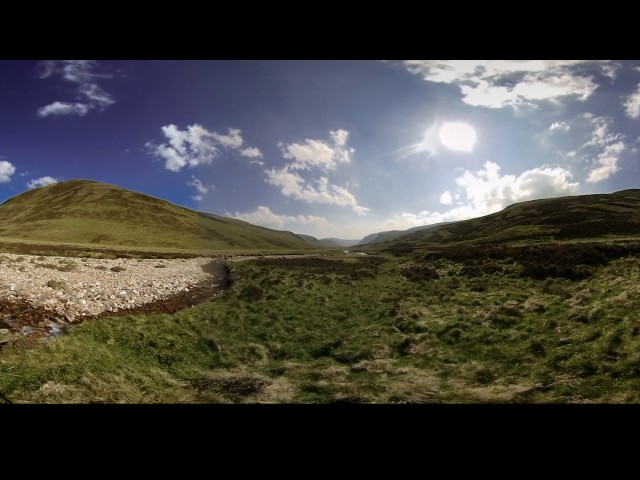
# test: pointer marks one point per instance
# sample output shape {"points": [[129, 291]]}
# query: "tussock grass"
{"points": [[356, 330]]}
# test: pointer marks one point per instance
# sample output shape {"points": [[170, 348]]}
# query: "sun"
{"points": [[458, 136]]}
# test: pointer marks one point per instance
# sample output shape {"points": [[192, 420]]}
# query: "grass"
{"points": [[358, 330], [63, 265], [567, 219], [89, 216]]}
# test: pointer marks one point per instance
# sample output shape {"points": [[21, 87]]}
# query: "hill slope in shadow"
{"points": [[578, 217]]}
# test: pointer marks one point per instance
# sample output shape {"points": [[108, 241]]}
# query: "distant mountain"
{"points": [[92, 213], [380, 237], [339, 242], [311, 240], [328, 242], [611, 215]]}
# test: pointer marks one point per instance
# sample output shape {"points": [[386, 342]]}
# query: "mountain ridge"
{"points": [[95, 213], [566, 218]]}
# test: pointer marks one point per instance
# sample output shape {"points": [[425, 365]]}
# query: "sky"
{"points": [[326, 148]]}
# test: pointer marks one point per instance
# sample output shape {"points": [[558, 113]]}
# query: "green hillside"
{"points": [[615, 215], [388, 235], [83, 212]]}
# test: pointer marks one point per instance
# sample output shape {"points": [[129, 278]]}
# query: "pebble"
{"points": [[91, 290]]}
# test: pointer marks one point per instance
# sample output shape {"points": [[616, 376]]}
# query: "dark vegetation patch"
{"points": [[356, 268], [235, 386], [88, 252], [66, 265], [56, 284], [420, 273], [251, 293], [570, 261]]}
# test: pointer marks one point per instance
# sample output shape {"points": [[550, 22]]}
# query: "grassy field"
{"points": [[411, 329], [80, 250]]}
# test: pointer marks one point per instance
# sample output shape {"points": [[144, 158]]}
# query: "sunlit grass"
{"points": [[357, 330], [84, 216]]}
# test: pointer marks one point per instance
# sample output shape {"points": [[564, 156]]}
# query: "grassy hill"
{"points": [[615, 215], [83, 212], [388, 235]]}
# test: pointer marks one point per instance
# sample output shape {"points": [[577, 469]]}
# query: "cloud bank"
{"points": [[502, 83], [264, 217], [487, 191]]}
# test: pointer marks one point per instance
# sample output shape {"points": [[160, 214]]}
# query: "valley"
{"points": [[500, 309], [268, 231]]}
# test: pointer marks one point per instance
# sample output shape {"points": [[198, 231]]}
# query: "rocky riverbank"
{"points": [[66, 290]]}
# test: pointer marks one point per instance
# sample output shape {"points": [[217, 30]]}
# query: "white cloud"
{"points": [[324, 156], [500, 83], [251, 152], [6, 170], [599, 151], [445, 198], [610, 70], [96, 95], [89, 95], [197, 198], [559, 127], [487, 191], [600, 136], [64, 108], [264, 217], [319, 153], [40, 182], [632, 104], [290, 183], [74, 71], [199, 186], [196, 146], [608, 162], [608, 146], [232, 140], [315, 191]]}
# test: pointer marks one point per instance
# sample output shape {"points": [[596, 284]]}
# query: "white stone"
{"points": [[96, 290]]}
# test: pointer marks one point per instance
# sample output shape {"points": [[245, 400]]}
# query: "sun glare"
{"points": [[458, 136]]}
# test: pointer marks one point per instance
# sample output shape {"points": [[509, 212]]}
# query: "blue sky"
{"points": [[327, 148]]}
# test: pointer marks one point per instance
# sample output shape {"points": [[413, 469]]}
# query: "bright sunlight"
{"points": [[458, 136]]}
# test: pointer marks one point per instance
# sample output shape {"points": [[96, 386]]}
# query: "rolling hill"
{"points": [[572, 218], [84, 212], [387, 235]]}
